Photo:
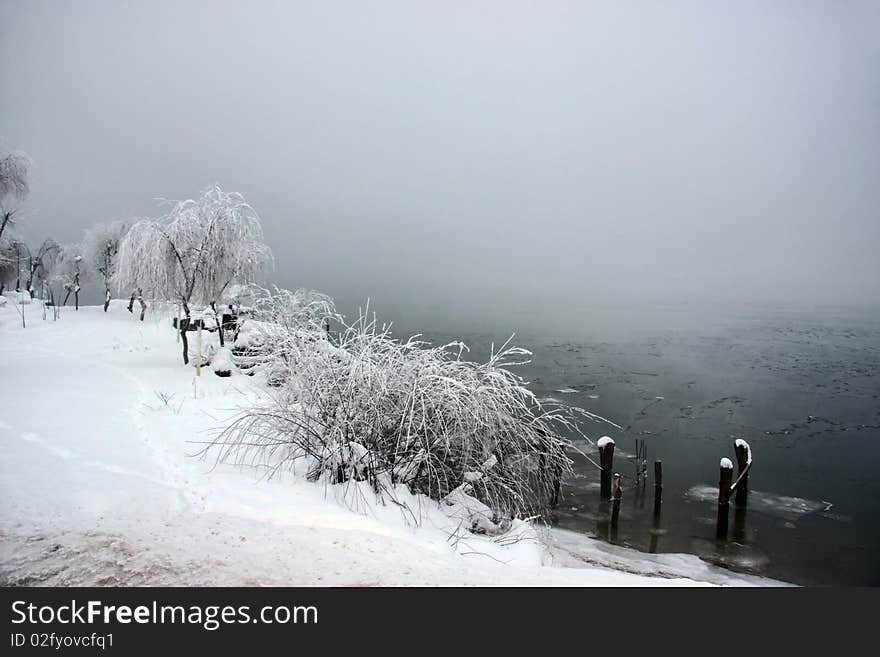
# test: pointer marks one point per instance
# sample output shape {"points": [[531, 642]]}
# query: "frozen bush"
{"points": [[371, 407]]}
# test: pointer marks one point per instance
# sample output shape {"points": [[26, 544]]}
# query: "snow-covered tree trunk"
{"points": [[218, 323]]}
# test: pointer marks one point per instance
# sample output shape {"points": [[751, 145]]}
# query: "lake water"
{"points": [[802, 387]]}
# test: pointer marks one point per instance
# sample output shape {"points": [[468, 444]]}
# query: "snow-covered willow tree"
{"points": [[101, 251], [14, 171], [13, 257], [195, 252], [42, 263]]}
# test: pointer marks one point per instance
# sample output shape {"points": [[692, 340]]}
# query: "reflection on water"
{"points": [[802, 388]]}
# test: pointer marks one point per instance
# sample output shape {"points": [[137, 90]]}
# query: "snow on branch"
{"points": [[196, 251]]}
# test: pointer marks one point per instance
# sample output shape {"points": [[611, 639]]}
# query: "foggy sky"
{"points": [[441, 156]]}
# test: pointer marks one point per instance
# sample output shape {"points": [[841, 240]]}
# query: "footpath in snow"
{"points": [[99, 422]]}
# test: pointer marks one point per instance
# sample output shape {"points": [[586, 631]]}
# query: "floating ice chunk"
{"points": [[781, 506], [566, 391]]}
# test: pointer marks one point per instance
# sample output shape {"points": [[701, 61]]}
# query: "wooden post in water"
{"points": [[606, 463], [743, 458], [615, 505], [658, 486], [557, 482], [724, 482]]}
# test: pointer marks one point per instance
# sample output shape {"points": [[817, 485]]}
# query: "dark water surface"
{"points": [[802, 387]]}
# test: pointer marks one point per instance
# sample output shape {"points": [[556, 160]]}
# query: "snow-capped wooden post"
{"points": [[606, 463], [743, 461], [724, 482], [658, 486], [615, 505]]}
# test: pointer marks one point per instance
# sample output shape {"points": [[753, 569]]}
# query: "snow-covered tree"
{"points": [[13, 259], [41, 263], [195, 252], [101, 250], [14, 170], [71, 272]]}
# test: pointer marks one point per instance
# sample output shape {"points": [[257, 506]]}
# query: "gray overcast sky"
{"points": [[442, 154]]}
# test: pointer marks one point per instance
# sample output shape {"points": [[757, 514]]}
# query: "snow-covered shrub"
{"points": [[371, 407], [279, 317], [222, 363]]}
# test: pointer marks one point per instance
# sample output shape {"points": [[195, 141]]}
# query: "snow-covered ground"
{"points": [[99, 422]]}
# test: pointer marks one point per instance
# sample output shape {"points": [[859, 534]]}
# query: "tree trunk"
{"points": [[106, 299], [131, 303], [66, 297], [184, 326], [219, 323]]}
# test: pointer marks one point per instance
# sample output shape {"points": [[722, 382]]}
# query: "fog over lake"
{"points": [[481, 160]]}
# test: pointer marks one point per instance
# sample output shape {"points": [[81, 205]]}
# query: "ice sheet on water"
{"points": [[782, 506]]}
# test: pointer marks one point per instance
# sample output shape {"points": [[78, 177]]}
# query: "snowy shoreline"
{"points": [[100, 420]]}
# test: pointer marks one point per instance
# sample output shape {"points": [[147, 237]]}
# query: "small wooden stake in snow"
{"points": [[199, 355], [615, 505], [606, 463], [743, 461], [658, 486], [724, 496]]}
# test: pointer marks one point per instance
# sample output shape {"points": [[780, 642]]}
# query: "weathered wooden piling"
{"points": [[615, 504], [724, 482], [606, 463], [743, 461], [658, 486], [557, 483]]}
